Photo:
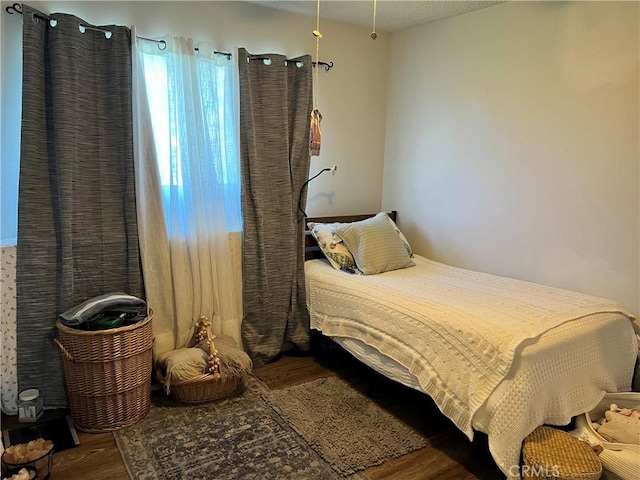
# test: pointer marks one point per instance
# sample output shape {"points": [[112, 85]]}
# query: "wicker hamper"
{"points": [[108, 374], [551, 453]]}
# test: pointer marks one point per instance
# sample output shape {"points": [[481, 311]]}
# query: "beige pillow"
{"points": [[402, 237], [375, 245], [229, 354], [183, 363]]}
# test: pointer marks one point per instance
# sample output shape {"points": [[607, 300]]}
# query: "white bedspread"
{"points": [[458, 332]]}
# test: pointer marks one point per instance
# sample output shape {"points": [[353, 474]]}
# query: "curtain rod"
{"points": [[327, 66], [162, 44], [17, 8]]}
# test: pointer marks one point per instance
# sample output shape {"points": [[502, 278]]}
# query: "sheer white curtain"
{"points": [[188, 187]]}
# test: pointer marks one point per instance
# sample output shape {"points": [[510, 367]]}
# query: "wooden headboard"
{"points": [[311, 248]]}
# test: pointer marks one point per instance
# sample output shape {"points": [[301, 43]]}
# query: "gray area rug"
{"points": [[345, 427], [320, 430]]}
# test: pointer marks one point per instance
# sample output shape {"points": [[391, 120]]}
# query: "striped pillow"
{"points": [[402, 237], [375, 245]]}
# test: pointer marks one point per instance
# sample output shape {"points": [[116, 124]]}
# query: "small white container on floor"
{"points": [[30, 406]]}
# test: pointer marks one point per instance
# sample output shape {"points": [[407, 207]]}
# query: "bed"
{"points": [[497, 355]]}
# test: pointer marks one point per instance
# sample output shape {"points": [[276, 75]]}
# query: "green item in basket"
{"points": [[105, 323]]}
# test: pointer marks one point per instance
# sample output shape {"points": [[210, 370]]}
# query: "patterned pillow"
{"points": [[375, 245], [331, 245]]}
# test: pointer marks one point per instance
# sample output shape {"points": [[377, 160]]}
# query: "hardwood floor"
{"points": [[448, 454]]}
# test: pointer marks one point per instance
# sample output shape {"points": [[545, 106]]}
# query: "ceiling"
{"points": [[391, 15]]}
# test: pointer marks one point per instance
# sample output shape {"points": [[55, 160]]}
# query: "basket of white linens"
{"points": [[614, 426]]}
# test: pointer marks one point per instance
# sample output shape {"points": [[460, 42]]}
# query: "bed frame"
{"points": [[312, 250]]}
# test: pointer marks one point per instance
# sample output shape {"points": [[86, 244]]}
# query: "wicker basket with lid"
{"points": [[551, 453]]}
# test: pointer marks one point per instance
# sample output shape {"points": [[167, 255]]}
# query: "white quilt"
{"points": [[458, 332]]}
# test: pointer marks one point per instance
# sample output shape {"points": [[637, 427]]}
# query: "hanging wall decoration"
{"points": [[316, 134], [374, 35]]}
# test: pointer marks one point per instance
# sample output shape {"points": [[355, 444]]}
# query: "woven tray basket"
{"points": [[203, 388], [551, 453], [108, 374], [208, 386]]}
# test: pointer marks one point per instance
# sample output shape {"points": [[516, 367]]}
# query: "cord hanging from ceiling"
{"points": [[315, 136], [374, 35]]}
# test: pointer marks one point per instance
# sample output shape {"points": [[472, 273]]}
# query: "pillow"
{"points": [[402, 237], [183, 364], [375, 245], [233, 360], [331, 245]]}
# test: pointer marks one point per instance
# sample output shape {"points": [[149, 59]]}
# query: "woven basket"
{"points": [[551, 453], [203, 388], [108, 374], [41, 466]]}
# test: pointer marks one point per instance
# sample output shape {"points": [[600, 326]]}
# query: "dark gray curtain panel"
{"points": [[275, 107], [77, 230]]}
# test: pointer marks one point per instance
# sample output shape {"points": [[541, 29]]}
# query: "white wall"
{"points": [[512, 143], [351, 96], [511, 132]]}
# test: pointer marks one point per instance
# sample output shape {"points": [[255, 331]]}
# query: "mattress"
{"points": [[552, 371]]}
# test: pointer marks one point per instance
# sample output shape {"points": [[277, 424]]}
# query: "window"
{"points": [[192, 105]]}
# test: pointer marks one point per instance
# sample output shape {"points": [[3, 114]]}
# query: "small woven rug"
{"points": [[343, 426], [321, 429], [238, 438]]}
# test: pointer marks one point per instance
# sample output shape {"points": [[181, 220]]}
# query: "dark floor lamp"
{"points": [[332, 169]]}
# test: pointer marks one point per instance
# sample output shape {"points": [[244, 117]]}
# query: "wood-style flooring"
{"points": [[449, 455]]}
